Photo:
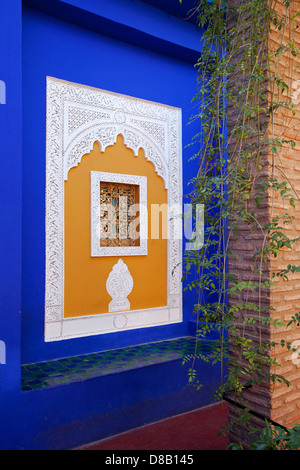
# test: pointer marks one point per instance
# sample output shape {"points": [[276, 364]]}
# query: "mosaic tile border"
{"points": [[58, 372]]}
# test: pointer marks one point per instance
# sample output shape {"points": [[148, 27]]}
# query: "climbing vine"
{"points": [[240, 91]]}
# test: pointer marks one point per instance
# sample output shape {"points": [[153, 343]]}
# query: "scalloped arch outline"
{"points": [[83, 144], [143, 124]]}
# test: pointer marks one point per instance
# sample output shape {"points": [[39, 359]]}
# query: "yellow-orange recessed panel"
{"points": [[85, 276]]}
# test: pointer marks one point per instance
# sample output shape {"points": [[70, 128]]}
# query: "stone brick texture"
{"points": [[285, 295], [277, 401]]}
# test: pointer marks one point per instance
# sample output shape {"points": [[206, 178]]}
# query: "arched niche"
{"points": [[78, 116]]}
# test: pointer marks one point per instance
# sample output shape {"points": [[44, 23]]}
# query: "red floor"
{"points": [[196, 430]]}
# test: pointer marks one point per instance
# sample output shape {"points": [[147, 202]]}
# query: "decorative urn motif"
{"points": [[119, 284]]}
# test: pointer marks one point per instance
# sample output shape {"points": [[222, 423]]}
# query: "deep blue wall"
{"points": [[10, 214], [52, 47], [73, 414]]}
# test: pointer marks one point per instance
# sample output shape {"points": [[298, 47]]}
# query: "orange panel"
{"points": [[85, 277]]}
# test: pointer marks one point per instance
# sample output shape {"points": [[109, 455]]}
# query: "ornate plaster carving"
{"points": [[96, 249], [78, 116], [119, 284]]}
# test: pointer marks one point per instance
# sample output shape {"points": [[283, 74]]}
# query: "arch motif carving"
{"points": [[77, 117], [106, 135]]}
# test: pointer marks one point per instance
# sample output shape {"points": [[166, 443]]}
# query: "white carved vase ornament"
{"points": [[119, 285]]}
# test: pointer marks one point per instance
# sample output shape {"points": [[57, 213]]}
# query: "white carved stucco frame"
{"points": [[77, 117], [141, 181]]}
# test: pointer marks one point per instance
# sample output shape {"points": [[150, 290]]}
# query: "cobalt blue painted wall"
{"points": [[79, 413], [10, 213], [74, 414], [52, 47]]}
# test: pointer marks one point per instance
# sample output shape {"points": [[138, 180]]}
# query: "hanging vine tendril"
{"points": [[241, 89]]}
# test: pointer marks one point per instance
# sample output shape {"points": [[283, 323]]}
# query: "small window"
{"points": [[119, 217], [118, 214]]}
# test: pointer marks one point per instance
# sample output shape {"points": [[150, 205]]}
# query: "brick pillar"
{"points": [[285, 296], [278, 402]]}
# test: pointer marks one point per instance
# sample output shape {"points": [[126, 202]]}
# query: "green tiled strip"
{"points": [[78, 368]]}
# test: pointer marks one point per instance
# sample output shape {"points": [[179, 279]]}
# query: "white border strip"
{"points": [[110, 323]]}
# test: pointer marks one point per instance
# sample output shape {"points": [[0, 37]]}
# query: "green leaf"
{"points": [[292, 202], [257, 201]]}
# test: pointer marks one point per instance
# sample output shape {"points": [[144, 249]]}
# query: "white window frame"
{"points": [[141, 181]]}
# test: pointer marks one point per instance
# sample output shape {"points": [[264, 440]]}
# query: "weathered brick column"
{"points": [[281, 301]]}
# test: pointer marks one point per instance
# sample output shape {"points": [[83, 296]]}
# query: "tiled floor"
{"points": [[196, 430], [79, 368]]}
